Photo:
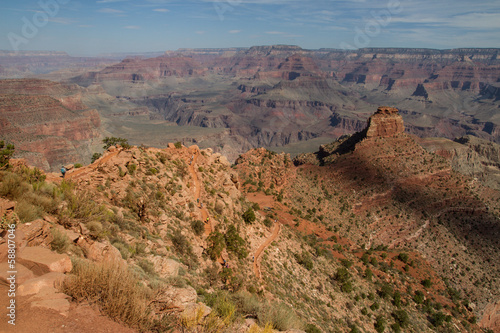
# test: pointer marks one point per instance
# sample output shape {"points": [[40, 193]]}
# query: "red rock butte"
{"points": [[386, 122]]}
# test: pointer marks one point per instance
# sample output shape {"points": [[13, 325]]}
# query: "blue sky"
{"points": [[103, 26]]}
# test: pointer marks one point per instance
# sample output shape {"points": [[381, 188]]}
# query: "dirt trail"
{"points": [[258, 253], [209, 227], [80, 172]]}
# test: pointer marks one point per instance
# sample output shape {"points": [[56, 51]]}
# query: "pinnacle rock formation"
{"points": [[386, 122]]}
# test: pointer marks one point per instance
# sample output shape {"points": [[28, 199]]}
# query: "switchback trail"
{"points": [[209, 227], [197, 194], [258, 253]]}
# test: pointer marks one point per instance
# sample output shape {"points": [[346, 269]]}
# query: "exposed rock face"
{"points": [[386, 122], [470, 156], [491, 317], [48, 121]]}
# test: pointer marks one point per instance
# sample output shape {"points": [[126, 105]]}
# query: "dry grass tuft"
{"points": [[113, 288]]}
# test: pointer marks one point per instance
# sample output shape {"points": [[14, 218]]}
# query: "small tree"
{"points": [[95, 157], [6, 153], [380, 324], [249, 216], [112, 141]]}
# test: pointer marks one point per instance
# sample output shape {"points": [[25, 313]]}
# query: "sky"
{"points": [[93, 27]]}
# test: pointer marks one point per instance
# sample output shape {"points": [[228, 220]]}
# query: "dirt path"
{"points": [[258, 253], [209, 226], [197, 194], [80, 172]]}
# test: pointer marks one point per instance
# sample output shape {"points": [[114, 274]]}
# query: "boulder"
{"points": [[35, 233], [6, 205], [178, 298], [36, 285], [22, 273], [165, 267], [193, 310], [98, 251], [41, 260]]}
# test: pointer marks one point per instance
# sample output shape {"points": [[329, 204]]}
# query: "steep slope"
{"points": [[384, 191]]}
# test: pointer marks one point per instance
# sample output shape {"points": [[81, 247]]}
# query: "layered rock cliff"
{"points": [[47, 122]]}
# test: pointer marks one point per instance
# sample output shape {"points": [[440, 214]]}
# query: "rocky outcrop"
{"points": [[386, 122], [470, 156], [491, 317], [41, 260]]}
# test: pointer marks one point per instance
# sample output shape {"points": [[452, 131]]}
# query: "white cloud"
{"points": [[134, 27], [161, 10], [476, 21], [234, 31], [275, 32], [110, 11]]}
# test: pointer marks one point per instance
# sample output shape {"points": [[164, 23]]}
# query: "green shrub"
{"points": [[78, 165], [6, 153], [131, 167], [235, 243], [216, 243], [403, 257], [379, 324], [419, 297], [304, 259], [148, 267], [249, 216], [368, 274], [181, 244], [28, 212], [60, 242], [125, 251], [198, 227], [427, 283], [311, 328], [346, 263], [346, 287], [396, 299], [247, 305], [280, 316], [342, 275], [96, 230], [401, 318], [385, 291], [112, 141], [95, 157], [178, 145]]}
